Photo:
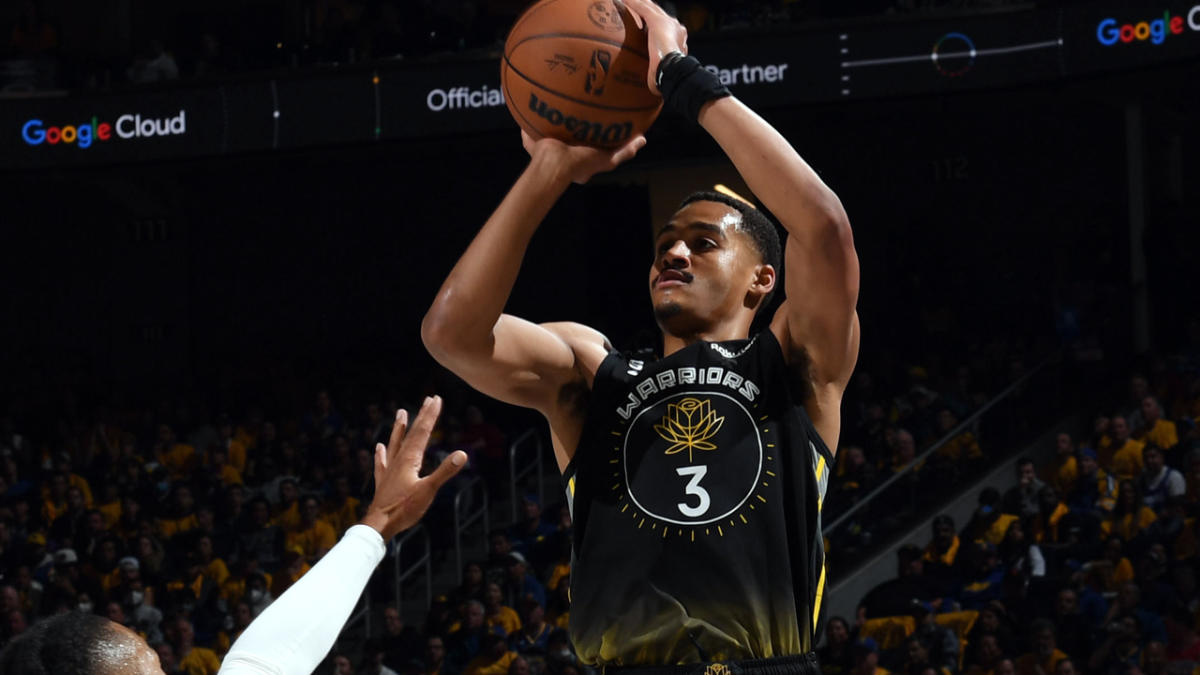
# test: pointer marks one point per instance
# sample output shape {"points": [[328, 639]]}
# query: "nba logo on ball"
{"points": [[597, 72], [606, 16], [582, 67]]}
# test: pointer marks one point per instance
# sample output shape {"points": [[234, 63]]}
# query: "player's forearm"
{"points": [[774, 171], [297, 630], [474, 294]]}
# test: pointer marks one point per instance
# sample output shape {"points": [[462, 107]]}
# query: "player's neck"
{"points": [[728, 331]]}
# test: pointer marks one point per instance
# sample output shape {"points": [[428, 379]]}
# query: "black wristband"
{"points": [[686, 86]]}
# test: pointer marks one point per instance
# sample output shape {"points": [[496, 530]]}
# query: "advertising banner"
{"points": [[399, 101]]}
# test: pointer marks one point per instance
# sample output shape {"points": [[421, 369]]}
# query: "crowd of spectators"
{"points": [[184, 532], [36, 51], [1087, 564], [888, 424]]}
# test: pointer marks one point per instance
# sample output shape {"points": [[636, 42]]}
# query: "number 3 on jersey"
{"points": [[693, 488]]}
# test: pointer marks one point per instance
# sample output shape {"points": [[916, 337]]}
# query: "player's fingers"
{"points": [[414, 444], [399, 429], [637, 18], [381, 462], [630, 149], [527, 141], [447, 469]]}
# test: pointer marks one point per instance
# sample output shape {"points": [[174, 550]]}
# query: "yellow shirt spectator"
{"points": [[111, 512], [506, 618], [344, 516], [200, 661], [1065, 475], [289, 518], [179, 460], [1127, 460], [487, 665], [962, 446], [234, 588], [217, 571], [169, 527], [1163, 434], [1129, 525], [313, 541], [230, 475]]}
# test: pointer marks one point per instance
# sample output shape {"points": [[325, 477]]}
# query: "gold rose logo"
{"points": [[688, 425]]}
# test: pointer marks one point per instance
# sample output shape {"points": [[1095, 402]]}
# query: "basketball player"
{"points": [[298, 629], [695, 480]]}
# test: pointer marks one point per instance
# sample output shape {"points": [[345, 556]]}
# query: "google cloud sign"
{"points": [[85, 134], [1110, 31]]}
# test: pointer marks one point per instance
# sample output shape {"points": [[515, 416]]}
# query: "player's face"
{"points": [[703, 267]]}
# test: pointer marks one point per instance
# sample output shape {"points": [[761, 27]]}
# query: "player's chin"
{"points": [[667, 310]]}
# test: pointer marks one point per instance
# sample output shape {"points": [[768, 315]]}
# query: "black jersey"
{"points": [[696, 493]]}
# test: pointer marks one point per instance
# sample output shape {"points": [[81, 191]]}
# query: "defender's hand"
{"points": [[663, 33], [578, 162], [401, 495]]}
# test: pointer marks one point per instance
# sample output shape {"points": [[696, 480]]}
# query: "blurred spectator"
{"points": [[1045, 654], [32, 35], [1119, 451], [521, 584], [1156, 430], [866, 658], [435, 654], [1065, 468], [1022, 498], [533, 637], [493, 659], [1131, 516], [528, 536], [941, 644], [313, 537], [836, 657], [1159, 482], [894, 596], [497, 614]]}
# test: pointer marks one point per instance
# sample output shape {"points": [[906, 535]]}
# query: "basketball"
{"points": [[575, 70]]}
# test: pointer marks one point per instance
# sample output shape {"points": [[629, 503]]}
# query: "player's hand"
{"points": [[579, 162], [664, 34], [401, 495]]}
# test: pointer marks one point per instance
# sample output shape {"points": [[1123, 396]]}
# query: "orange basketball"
{"points": [[575, 70]]}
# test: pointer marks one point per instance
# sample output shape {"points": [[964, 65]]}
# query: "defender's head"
{"points": [[717, 259], [79, 642]]}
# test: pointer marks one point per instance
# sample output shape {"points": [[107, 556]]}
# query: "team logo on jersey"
{"points": [[688, 425], [693, 459], [717, 669]]}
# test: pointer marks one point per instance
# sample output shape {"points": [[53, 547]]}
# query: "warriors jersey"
{"points": [[696, 494]]}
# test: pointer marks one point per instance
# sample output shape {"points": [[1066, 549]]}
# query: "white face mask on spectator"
{"points": [[85, 607], [136, 597]]}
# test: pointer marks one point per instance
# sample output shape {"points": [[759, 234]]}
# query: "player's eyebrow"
{"points": [[696, 225]]}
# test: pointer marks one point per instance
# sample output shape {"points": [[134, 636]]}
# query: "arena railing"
{"points": [[467, 511], [528, 439], [424, 562], [903, 499]]}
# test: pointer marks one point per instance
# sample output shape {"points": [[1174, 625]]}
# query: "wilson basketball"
{"points": [[575, 70]]}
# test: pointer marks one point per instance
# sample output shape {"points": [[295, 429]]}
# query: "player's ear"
{"points": [[762, 284], [764, 278]]}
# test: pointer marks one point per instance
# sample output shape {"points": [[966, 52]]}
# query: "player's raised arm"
{"points": [[466, 330], [818, 318]]}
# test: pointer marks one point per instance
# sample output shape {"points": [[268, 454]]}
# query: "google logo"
{"points": [[1108, 32], [35, 132]]}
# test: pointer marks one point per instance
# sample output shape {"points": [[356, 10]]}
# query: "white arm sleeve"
{"points": [[292, 635]]}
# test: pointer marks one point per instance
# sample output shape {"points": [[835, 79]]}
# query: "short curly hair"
{"points": [[75, 642], [755, 224]]}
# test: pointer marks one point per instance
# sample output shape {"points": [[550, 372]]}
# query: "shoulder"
{"points": [[589, 345], [578, 335]]}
